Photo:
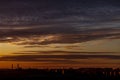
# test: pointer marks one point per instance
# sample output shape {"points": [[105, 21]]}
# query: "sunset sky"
{"points": [[84, 33]]}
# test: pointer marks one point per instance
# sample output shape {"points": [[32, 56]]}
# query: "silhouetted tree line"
{"points": [[60, 74]]}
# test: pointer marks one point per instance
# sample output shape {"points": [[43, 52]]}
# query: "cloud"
{"points": [[63, 52], [27, 13], [49, 22], [57, 58], [41, 24], [45, 36]]}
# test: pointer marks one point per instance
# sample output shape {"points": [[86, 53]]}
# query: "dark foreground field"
{"points": [[60, 74]]}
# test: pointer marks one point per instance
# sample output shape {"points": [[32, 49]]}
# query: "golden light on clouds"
{"points": [[8, 48]]}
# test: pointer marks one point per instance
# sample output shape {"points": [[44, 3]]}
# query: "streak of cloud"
{"points": [[58, 58]]}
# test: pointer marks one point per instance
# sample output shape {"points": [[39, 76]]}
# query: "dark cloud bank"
{"points": [[73, 21], [57, 58]]}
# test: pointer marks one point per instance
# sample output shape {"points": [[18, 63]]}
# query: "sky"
{"points": [[65, 33]]}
